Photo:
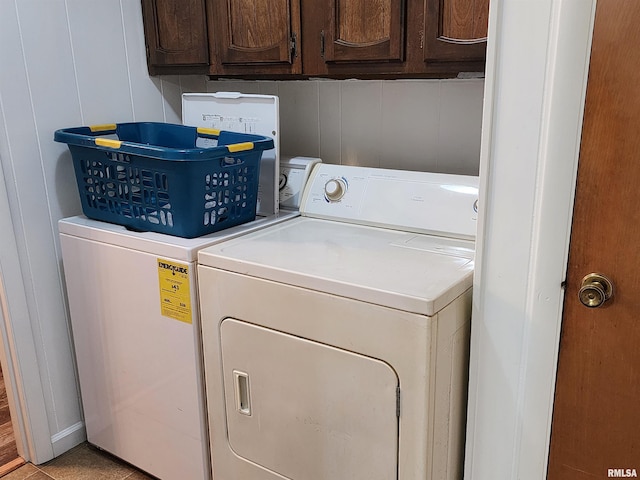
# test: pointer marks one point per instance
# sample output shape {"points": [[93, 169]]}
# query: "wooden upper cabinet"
{"points": [[393, 38], [363, 30], [176, 36], [324, 38], [455, 30], [354, 37], [254, 36]]}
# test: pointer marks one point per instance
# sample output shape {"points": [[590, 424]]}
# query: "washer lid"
{"points": [[244, 113], [185, 249], [402, 270]]}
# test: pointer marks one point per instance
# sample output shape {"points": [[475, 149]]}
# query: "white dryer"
{"points": [[336, 344], [136, 330]]}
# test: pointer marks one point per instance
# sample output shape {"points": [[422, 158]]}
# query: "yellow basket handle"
{"points": [[107, 127], [233, 148], [108, 142], [240, 147], [208, 132]]}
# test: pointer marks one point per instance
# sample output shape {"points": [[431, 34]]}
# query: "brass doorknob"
{"points": [[596, 289]]}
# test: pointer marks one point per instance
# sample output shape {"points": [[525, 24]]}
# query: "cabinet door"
{"points": [[455, 30], [354, 37], [176, 36], [363, 30], [249, 37]]}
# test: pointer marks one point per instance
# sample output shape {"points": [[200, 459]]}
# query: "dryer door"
{"points": [[306, 410]]}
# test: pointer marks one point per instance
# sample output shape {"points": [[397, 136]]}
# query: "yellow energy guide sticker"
{"points": [[175, 294]]}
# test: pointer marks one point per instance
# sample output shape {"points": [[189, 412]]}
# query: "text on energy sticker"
{"points": [[175, 294]]}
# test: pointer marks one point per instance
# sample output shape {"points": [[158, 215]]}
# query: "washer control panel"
{"points": [[335, 189], [294, 173], [413, 201]]}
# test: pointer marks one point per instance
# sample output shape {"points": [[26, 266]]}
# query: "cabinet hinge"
{"points": [[398, 402], [294, 45], [322, 43]]}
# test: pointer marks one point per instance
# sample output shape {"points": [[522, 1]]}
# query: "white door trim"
{"points": [[537, 66], [19, 358]]}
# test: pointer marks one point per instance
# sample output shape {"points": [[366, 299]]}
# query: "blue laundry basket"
{"points": [[151, 176]]}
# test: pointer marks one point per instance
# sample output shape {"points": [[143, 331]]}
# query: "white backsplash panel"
{"points": [[410, 123], [301, 97], [459, 126], [424, 125]]}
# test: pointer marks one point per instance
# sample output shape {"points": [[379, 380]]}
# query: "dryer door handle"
{"points": [[243, 394]]}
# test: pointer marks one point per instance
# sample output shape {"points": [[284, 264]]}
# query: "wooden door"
{"points": [[253, 37], [176, 36], [455, 30], [596, 420]]}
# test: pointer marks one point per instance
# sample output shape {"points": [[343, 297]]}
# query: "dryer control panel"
{"points": [[433, 203]]}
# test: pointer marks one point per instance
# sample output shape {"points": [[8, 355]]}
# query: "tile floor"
{"points": [[83, 462]]}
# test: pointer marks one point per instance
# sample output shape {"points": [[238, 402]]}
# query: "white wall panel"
{"points": [[424, 125], [299, 118], [233, 86], [330, 121], [361, 114], [459, 126], [410, 119], [268, 87], [193, 84], [97, 36], [146, 92], [16, 289], [25, 175], [171, 98], [54, 99], [53, 103]]}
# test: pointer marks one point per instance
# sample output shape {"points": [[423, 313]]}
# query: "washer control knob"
{"points": [[335, 189]]}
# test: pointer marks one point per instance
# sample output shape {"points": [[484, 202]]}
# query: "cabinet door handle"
{"points": [[294, 45]]}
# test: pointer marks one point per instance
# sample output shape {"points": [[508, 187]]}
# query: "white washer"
{"points": [[336, 344], [136, 329]]}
